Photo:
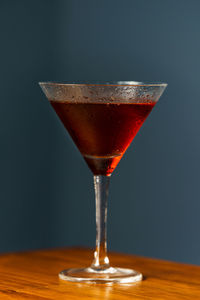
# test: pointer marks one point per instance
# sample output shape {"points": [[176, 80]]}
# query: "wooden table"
{"points": [[34, 275]]}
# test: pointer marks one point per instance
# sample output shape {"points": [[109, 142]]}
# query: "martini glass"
{"points": [[102, 120]]}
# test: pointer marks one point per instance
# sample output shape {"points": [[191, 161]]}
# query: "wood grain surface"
{"points": [[34, 275]]}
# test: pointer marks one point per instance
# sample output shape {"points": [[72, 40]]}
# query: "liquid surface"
{"points": [[102, 131]]}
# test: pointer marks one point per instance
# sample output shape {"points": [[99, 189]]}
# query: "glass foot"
{"points": [[107, 276]]}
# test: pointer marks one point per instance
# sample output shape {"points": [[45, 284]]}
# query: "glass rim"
{"points": [[105, 83]]}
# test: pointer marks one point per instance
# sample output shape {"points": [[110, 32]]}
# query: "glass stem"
{"points": [[101, 185]]}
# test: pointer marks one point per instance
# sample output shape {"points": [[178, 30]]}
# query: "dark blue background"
{"points": [[46, 189]]}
